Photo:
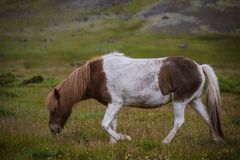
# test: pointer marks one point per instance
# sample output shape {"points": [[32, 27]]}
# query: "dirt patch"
{"points": [[183, 27], [171, 7], [88, 5], [227, 20], [171, 23], [16, 13], [210, 16]]}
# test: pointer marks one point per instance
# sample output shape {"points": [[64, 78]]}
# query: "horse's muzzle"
{"points": [[55, 129]]}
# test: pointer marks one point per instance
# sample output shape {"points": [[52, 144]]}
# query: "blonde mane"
{"points": [[71, 90]]}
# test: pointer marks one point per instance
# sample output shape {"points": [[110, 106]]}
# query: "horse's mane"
{"points": [[71, 90]]}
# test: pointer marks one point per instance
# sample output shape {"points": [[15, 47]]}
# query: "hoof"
{"points": [[218, 139], [165, 141], [126, 137]]}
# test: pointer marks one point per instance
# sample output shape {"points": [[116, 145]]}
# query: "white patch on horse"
{"points": [[134, 81]]}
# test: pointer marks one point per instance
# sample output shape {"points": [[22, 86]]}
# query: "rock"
{"points": [[183, 45], [52, 38], [34, 79], [165, 17], [85, 19]]}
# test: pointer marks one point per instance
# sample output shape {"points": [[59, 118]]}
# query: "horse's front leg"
{"points": [[109, 116], [113, 125]]}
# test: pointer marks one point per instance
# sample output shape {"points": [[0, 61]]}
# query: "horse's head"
{"points": [[62, 98], [59, 113]]}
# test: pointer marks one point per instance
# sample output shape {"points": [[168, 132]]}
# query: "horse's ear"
{"points": [[56, 93]]}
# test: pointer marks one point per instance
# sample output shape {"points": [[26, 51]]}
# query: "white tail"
{"points": [[213, 101]]}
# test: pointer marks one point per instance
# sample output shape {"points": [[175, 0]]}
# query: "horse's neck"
{"points": [[97, 87], [74, 88]]}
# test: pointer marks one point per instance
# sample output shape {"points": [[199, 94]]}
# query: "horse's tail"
{"points": [[213, 101]]}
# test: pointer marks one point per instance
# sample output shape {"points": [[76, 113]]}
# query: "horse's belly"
{"points": [[147, 100]]}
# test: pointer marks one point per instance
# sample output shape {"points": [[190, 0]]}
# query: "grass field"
{"points": [[37, 45]]}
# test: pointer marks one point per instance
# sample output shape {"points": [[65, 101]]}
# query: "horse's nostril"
{"points": [[58, 129]]}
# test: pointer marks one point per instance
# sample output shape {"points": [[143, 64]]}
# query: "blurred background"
{"points": [[42, 42]]}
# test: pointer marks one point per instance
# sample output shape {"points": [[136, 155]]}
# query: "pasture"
{"points": [[37, 46]]}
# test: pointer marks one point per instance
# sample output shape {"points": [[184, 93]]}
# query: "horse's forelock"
{"points": [[50, 101]]}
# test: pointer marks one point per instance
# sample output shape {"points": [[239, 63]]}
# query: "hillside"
{"points": [[214, 16]]}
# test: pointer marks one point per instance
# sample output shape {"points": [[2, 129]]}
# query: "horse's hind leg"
{"points": [[199, 107], [179, 119]]}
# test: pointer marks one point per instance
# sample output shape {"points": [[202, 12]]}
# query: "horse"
{"points": [[116, 80]]}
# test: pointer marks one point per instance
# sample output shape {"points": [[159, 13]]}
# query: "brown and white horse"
{"points": [[116, 80]]}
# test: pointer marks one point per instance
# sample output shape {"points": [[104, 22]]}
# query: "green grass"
{"points": [[51, 43], [44, 153], [236, 120], [229, 85], [5, 113]]}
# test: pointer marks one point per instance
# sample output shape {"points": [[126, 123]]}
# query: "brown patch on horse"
{"points": [[180, 76], [70, 91], [98, 83]]}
